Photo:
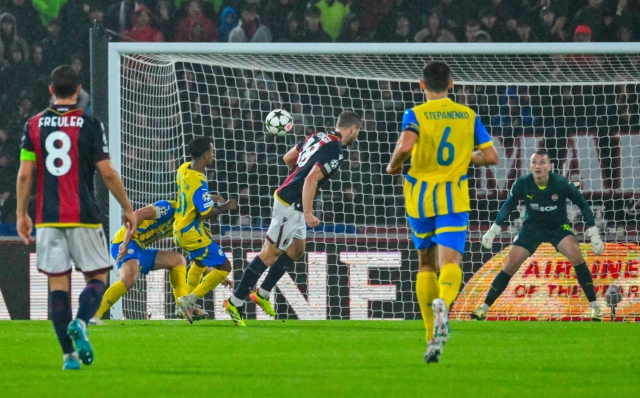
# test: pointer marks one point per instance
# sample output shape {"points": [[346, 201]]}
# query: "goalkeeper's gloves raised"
{"points": [[597, 246], [487, 239]]}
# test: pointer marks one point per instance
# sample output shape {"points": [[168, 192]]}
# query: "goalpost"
{"points": [[580, 101]]}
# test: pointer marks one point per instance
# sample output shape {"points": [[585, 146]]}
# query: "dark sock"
{"points": [[585, 280], [279, 268], [90, 300], [250, 277], [60, 314], [497, 287]]}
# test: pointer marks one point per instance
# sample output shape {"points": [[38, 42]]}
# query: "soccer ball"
{"points": [[279, 122]]}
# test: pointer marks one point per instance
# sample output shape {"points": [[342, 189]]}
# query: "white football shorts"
{"points": [[56, 247], [287, 224]]}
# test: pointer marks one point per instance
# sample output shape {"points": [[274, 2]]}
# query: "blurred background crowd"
{"points": [[39, 35]]}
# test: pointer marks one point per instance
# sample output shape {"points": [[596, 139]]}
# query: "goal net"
{"points": [[582, 106]]}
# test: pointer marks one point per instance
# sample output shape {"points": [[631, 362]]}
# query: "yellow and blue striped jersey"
{"points": [[436, 183], [194, 201], [150, 231]]}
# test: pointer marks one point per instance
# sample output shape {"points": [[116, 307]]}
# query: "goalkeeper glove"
{"points": [[487, 239], [597, 246]]}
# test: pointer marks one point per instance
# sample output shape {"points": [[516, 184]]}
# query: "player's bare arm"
{"points": [[145, 213], [485, 157], [402, 152], [226, 206], [308, 193], [291, 157], [23, 190], [114, 184]]}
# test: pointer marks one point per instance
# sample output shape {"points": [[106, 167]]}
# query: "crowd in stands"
{"points": [[32, 44]]}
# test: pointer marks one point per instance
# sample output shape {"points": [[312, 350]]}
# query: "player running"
{"points": [[65, 146], [312, 162], [545, 196], [439, 136], [195, 204]]}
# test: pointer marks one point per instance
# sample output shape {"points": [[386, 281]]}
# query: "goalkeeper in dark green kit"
{"points": [[545, 196]]}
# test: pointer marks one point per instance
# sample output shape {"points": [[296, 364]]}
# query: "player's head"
{"points": [[540, 164], [436, 77], [201, 148], [65, 83], [349, 124]]}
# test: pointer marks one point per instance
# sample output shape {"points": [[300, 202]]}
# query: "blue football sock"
{"points": [[249, 278], [90, 300], [60, 314], [279, 268]]}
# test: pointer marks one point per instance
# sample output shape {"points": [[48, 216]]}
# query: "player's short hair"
{"points": [[198, 147], [64, 81], [436, 75], [348, 119], [542, 152]]}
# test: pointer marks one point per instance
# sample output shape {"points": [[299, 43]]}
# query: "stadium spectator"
{"points": [[250, 28], [41, 77], [294, 29], [628, 13], [352, 31], [593, 16], [434, 33], [16, 75], [453, 16], [57, 51], [120, 15], [510, 33], [313, 32], [403, 32], [545, 27], [332, 14], [142, 31], [471, 29], [83, 74], [165, 19], [9, 37], [228, 21], [27, 20], [625, 34], [582, 34], [488, 22], [74, 18], [277, 15], [524, 32], [195, 26]]}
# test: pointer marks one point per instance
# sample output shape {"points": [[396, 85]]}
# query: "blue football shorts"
{"points": [[146, 257], [209, 256], [449, 230]]}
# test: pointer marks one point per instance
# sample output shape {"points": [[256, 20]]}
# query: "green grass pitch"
{"points": [[325, 359]]}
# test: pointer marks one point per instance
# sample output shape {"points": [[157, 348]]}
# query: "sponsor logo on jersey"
{"points": [[535, 206], [554, 197]]}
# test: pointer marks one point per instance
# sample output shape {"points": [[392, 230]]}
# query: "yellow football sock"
{"points": [[450, 281], [194, 276], [427, 290], [178, 281], [210, 282], [111, 296]]}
